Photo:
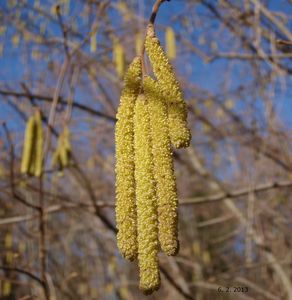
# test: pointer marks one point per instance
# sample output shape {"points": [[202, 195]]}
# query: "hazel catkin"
{"points": [[145, 200], [163, 168], [119, 58], [28, 146], [126, 218], [170, 43], [61, 156], [180, 135], [38, 145], [65, 147]]}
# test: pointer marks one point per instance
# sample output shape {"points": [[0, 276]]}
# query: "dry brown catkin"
{"points": [[126, 218], [163, 168], [146, 200]]}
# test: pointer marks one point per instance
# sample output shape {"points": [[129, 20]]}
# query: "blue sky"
{"points": [[207, 76]]}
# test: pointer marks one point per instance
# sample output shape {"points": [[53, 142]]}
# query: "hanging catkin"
{"points": [[146, 200], [163, 168], [93, 41], [138, 43], [170, 43], [119, 58], [64, 159], [65, 147], [38, 145], [61, 156], [28, 146], [125, 180], [179, 133]]}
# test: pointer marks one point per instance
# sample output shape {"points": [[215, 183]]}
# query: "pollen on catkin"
{"points": [[163, 168], [126, 217], [180, 135], [145, 200], [38, 145], [28, 146]]}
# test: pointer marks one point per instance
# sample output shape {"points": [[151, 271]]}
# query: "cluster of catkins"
{"points": [[151, 116], [32, 156]]}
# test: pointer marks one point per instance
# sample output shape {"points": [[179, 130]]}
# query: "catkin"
{"points": [[119, 58], [56, 159], [93, 41], [38, 145], [61, 156], [138, 43], [31, 170], [6, 290], [67, 143], [180, 135], [163, 168], [63, 151], [146, 200], [126, 217], [28, 146], [170, 43]]}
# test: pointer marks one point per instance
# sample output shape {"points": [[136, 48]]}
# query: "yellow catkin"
{"points": [[147, 224], [61, 156], [93, 41], [125, 182], [8, 241], [119, 58], [6, 289], [56, 159], [64, 147], [138, 43], [38, 145], [28, 146], [180, 135], [67, 143], [170, 43], [163, 168], [31, 170]]}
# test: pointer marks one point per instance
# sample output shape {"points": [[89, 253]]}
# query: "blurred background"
{"points": [[67, 58]]}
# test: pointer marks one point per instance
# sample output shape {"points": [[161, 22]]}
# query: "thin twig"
{"points": [[64, 31], [61, 101], [155, 11], [237, 193], [174, 284], [42, 231], [30, 275]]}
